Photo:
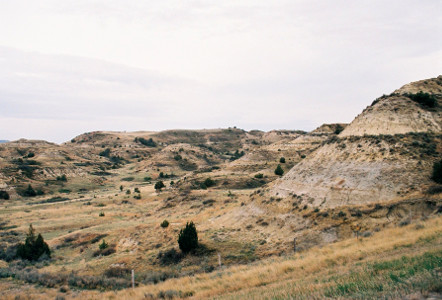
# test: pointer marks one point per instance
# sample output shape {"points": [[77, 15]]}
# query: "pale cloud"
{"points": [[151, 65]]}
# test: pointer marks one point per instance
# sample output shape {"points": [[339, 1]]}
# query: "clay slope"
{"points": [[398, 113], [386, 152]]}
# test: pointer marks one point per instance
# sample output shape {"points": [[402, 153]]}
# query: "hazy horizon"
{"points": [[78, 66]]}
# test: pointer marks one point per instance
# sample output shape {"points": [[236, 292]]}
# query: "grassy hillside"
{"points": [[346, 216]]}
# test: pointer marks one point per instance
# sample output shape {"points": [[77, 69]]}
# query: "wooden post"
{"points": [[219, 260], [133, 279]]}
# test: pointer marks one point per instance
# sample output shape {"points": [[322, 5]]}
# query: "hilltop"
{"points": [[386, 152], [402, 112]]}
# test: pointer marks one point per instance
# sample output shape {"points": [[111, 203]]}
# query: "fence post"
{"points": [[219, 259], [133, 279]]}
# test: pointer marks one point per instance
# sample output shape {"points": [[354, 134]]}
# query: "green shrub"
{"points": [[128, 178], [101, 214], [209, 182], [136, 190], [4, 195], [159, 185], [105, 153], [104, 252], [338, 129], [437, 172], [30, 192], [424, 99], [103, 245], [62, 178], [279, 171], [34, 246], [282, 160], [147, 178], [434, 190], [178, 157], [260, 175], [143, 141], [237, 155], [165, 224], [188, 238]]}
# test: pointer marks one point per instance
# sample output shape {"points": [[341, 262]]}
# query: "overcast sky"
{"points": [[68, 67]]}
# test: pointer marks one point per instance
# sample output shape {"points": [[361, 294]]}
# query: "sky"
{"points": [[69, 67]]}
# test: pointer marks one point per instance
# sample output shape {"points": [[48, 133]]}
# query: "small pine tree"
{"points": [[103, 245], [282, 160], [188, 238], [30, 192], [165, 224], [34, 247], [279, 171], [159, 185]]}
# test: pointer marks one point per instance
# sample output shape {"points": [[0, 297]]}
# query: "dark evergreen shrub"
{"points": [[159, 185], [34, 247], [62, 178], [4, 195], [209, 182], [188, 238], [29, 192], [437, 172], [165, 224], [338, 129], [279, 171], [105, 153], [103, 245], [424, 99], [148, 143]]}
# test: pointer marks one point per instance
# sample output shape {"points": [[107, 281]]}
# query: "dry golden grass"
{"points": [[307, 267]]}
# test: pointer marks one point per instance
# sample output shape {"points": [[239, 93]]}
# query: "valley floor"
{"points": [[396, 263]]}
